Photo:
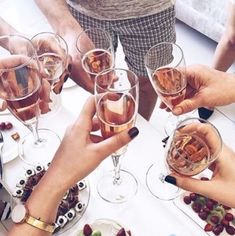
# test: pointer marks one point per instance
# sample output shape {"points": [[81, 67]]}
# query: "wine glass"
{"points": [[52, 52], [117, 97], [194, 145], [96, 50], [20, 87], [165, 65]]}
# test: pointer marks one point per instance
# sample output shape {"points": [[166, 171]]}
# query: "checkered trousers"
{"points": [[136, 35]]}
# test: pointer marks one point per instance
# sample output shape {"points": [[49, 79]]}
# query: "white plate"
{"points": [[107, 227], [10, 146], [187, 210]]}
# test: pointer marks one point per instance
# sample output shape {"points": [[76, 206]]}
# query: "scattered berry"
{"points": [[121, 232], [208, 227], [230, 230], [229, 217], [187, 200], [87, 230], [2, 126], [8, 125]]}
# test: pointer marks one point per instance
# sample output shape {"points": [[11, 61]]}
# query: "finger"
{"points": [[87, 113], [193, 185], [112, 144], [45, 91], [3, 105], [187, 105], [95, 124]]}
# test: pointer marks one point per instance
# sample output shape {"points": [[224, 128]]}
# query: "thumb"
{"points": [[112, 144], [187, 105], [202, 187]]}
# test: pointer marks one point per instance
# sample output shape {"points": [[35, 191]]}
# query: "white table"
{"points": [[144, 214]]}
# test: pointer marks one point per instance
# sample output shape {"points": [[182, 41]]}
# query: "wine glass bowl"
{"points": [[52, 52], [117, 96], [96, 50], [20, 87], [195, 144]]}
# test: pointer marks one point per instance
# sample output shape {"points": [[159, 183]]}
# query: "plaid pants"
{"points": [[137, 35]]}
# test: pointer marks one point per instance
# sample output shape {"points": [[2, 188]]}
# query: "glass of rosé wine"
{"points": [[52, 52], [21, 87], [96, 50], [165, 65], [194, 145], [117, 99]]}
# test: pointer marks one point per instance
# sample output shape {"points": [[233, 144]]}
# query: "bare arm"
{"points": [[5, 28], [58, 15], [63, 23], [225, 50]]}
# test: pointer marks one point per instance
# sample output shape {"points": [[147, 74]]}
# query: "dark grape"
{"points": [[210, 204], [193, 196], [207, 210], [196, 207], [225, 222], [2, 126], [216, 230], [214, 219], [229, 216], [8, 125], [230, 230], [203, 215], [187, 200]]}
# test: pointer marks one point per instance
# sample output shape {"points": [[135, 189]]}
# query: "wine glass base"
{"points": [[42, 152], [117, 192], [158, 187]]}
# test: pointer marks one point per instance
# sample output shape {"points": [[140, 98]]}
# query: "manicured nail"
{"points": [[170, 179], [133, 132], [165, 139], [177, 110]]}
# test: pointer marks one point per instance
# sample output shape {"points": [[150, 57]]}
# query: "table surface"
{"points": [[144, 214]]}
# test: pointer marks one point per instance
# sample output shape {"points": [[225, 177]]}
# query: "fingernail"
{"points": [[170, 179], [165, 139], [177, 110], [133, 132], [69, 67]]}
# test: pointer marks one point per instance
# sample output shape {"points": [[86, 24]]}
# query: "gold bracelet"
{"points": [[37, 223]]}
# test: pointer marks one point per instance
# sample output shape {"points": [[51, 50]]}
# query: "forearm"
{"points": [[43, 203], [6, 29], [224, 55], [58, 15]]}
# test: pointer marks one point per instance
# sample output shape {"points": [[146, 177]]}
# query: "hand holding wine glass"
{"points": [[96, 50], [52, 52], [165, 65], [117, 96], [21, 87], [193, 147]]}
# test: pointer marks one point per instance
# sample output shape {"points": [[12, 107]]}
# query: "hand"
{"points": [[53, 43], [221, 186], [78, 74], [11, 62], [206, 87], [81, 151]]}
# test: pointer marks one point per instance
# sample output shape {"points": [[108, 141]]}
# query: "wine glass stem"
{"points": [[116, 163], [34, 129]]}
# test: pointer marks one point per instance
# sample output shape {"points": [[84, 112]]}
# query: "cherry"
{"points": [[208, 227]]}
